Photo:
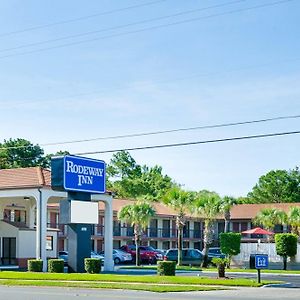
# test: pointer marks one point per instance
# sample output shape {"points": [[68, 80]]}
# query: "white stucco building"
{"points": [[25, 194]]}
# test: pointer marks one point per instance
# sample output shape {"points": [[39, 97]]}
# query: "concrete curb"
{"points": [[279, 285]]}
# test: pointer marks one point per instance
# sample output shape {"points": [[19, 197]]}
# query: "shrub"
{"points": [[56, 265], [166, 268], [35, 265], [92, 265], [221, 264], [286, 246], [230, 243]]}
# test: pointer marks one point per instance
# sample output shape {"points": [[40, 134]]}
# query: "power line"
{"points": [[258, 136], [122, 26], [174, 130], [80, 18], [164, 131], [147, 29]]}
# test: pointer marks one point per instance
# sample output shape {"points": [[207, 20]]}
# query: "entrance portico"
{"points": [[30, 188]]}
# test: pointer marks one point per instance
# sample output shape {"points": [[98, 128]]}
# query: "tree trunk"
{"points": [[137, 246], [207, 241], [221, 270], [227, 221], [180, 234], [284, 262]]}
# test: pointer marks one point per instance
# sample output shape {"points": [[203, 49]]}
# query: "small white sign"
{"points": [[84, 212]]}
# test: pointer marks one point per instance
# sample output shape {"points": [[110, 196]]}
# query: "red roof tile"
{"points": [[249, 211], [24, 177]]}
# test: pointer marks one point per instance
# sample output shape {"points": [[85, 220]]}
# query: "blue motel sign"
{"points": [[261, 261]]}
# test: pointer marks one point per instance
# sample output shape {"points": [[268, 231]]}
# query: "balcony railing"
{"points": [[127, 231]]}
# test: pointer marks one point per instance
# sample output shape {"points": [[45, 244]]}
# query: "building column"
{"points": [[41, 228], [108, 237], [31, 215], [2, 205]]}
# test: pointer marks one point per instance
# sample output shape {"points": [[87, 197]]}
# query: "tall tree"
{"points": [[207, 206], [226, 204], [123, 165], [294, 219], [277, 186], [130, 180], [20, 153], [138, 214], [269, 217], [49, 156], [179, 200]]}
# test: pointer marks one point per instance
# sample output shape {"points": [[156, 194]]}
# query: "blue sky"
{"points": [[223, 67]]}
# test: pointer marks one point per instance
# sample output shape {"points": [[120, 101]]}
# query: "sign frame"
{"points": [[72, 189]]}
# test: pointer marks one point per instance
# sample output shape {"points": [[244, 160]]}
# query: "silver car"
{"points": [[120, 256]]}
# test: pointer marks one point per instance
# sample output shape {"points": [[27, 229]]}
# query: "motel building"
{"points": [[30, 227], [25, 230]]}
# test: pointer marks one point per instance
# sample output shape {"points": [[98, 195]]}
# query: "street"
{"points": [[38, 293]]}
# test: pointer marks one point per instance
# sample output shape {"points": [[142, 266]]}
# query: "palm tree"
{"points": [[207, 206], [294, 219], [179, 200], [226, 204], [138, 215], [269, 217]]}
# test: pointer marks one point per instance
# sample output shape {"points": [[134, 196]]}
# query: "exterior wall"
{"points": [[7, 230], [26, 242]]}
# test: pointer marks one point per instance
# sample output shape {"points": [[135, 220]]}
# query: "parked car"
{"points": [[120, 256], [189, 256], [215, 252], [63, 255], [147, 254], [97, 255]]}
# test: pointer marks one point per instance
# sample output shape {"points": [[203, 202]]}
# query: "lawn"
{"points": [[187, 268], [101, 285], [119, 279]]}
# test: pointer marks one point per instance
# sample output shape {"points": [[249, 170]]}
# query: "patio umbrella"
{"points": [[257, 230]]}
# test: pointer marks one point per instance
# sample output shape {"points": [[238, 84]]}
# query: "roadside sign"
{"points": [[261, 261], [84, 174], [78, 174]]}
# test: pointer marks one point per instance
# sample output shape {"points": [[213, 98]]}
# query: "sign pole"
{"points": [[258, 275], [261, 262]]}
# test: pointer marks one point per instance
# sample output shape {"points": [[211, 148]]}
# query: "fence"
{"points": [[275, 261]]}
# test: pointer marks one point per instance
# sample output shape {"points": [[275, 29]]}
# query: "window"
{"points": [[166, 245], [153, 244], [49, 243]]}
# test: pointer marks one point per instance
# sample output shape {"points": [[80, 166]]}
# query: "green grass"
{"points": [[131, 279], [187, 268], [147, 287]]}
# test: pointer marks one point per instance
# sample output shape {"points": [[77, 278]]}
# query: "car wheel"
{"points": [[117, 260]]}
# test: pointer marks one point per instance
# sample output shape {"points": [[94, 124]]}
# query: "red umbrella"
{"points": [[257, 230]]}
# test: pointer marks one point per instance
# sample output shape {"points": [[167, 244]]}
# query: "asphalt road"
{"points": [[38, 293]]}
